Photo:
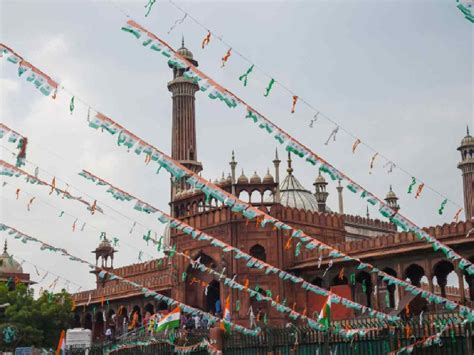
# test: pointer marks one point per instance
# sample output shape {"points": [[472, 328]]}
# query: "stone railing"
{"points": [[116, 288]]}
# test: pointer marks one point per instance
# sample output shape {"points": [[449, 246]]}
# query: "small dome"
{"points": [[467, 140], [391, 194], [242, 179], [186, 53], [255, 179], [105, 244], [268, 178], [8, 265], [320, 179], [223, 180]]}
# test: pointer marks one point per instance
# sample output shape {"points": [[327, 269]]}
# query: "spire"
{"points": [[233, 164], [290, 169], [339, 189], [367, 212], [276, 164]]}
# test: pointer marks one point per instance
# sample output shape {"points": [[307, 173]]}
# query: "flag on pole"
{"points": [[170, 321], [61, 349], [325, 314], [226, 326]]}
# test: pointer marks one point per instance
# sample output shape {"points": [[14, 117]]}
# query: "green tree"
{"points": [[38, 322]]}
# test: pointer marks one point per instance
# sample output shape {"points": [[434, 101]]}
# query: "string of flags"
{"points": [[292, 145], [178, 171], [434, 339], [20, 172], [7, 169], [202, 345], [40, 80], [465, 6], [291, 312], [15, 137], [111, 276]]}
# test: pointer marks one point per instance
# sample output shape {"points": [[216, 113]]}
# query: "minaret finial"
{"points": [[276, 153], [182, 41], [290, 169], [368, 214], [390, 187], [5, 247], [467, 129]]}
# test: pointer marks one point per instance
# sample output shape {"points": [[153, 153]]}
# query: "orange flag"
{"points": [[226, 56], [206, 40], [295, 100], [53, 185]]}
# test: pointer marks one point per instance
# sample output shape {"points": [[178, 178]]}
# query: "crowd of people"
{"points": [[122, 323]]}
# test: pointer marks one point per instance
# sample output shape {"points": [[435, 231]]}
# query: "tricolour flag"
{"points": [[325, 314], [170, 321], [61, 349], [226, 316]]}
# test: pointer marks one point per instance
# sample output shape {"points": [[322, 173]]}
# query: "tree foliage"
{"points": [[37, 322]]}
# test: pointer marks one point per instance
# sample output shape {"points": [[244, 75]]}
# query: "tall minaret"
{"points": [[467, 167], [183, 131], [276, 163], [233, 164]]}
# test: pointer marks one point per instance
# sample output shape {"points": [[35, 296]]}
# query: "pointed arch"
{"points": [[258, 251]]}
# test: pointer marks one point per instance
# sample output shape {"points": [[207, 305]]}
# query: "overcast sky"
{"points": [[398, 74]]}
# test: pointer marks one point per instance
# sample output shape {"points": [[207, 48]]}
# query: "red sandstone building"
{"points": [[371, 240]]}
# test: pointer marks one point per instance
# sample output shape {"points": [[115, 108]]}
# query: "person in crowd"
{"points": [[146, 319], [135, 323], [190, 323], [197, 321], [183, 321], [108, 334], [218, 308]]}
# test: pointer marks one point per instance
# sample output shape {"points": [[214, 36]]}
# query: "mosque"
{"points": [[372, 240]]}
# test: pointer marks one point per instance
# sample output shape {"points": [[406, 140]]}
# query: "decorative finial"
{"points": [[233, 155], [467, 129], [182, 41], [5, 248], [390, 187], [290, 169], [276, 154], [368, 215]]}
